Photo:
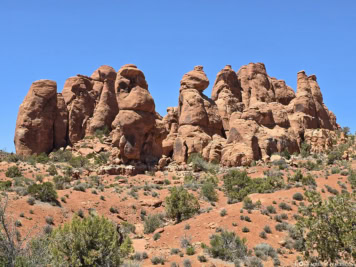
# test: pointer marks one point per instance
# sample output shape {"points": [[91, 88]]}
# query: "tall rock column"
{"points": [[35, 121], [107, 107], [227, 95], [79, 97], [199, 117], [136, 129]]}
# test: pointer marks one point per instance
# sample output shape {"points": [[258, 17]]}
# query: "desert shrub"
{"points": [[298, 196], [78, 162], [181, 204], [5, 185], [152, 222], [102, 158], [305, 150], [335, 170], [60, 181], [245, 229], [264, 251], [187, 263], [331, 190], [80, 187], [285, 153], [238, 185], [271, 209], [185, 241], [200, 164], [190, 250], [92, 241], [284, 206], [263, 235], [157, 260], [352, 178], [208, 191], [31, 201], [267, 229], [328, 227], [299, 177], [249, 205], [344, 173], [281, 226], [310, 165], [44, 192], [156, 236], [227, 246], [52, 170], [202, 258], [49, 220], [223, 212], [39, 178], [175, 251], [61, 156], [13, 172]]}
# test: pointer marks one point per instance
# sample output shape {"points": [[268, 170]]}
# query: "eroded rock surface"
{"points": [[249, 116]]}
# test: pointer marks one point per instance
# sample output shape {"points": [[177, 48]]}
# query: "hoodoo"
{"points": [[249, 116]]}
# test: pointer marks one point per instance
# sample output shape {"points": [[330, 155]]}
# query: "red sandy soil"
{"points": [[201, 226]]}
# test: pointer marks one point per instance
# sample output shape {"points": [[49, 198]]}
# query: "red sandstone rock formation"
{"points": [[249, 117]]}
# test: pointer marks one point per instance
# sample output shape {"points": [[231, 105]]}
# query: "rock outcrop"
{"points": [[198, 116], [137, 130], [249, 116], [36, 118]]}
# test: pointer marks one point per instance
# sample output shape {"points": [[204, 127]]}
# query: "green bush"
{"points": [[298, 196], [238, 185], [352, 178], [156, 236], [299, 177], [44, 192], [92, 241], [151, 223], [200, 164], [78, 162], [181, 204], [61, 156], [208, 191], [52, 170], [13, 172], [305, 150], [42, 158], [60, 181], [157, 260], [284, 206], [329, 227], [223, 212], [271, 209], [5, 185], [227, 246], [190, 251]]}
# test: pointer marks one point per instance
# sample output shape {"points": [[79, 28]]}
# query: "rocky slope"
{"points": [[249, 116]]}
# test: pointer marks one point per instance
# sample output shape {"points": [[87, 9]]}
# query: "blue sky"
{"points": [[57, 39]]}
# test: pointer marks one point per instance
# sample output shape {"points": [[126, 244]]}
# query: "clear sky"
{"points": [[56, 39]]}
